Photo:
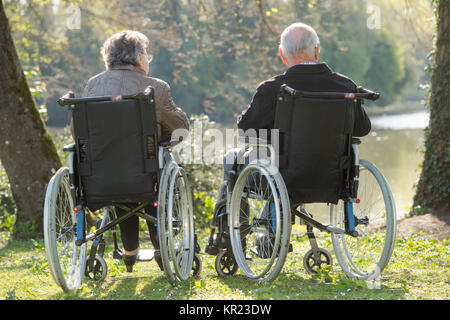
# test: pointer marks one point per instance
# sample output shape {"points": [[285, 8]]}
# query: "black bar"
{"points": [[361, 94], [115, 222], [310, 220], [65, 100]]}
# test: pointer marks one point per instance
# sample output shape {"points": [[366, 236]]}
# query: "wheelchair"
{"points": [[318, 162], [117, 163]]}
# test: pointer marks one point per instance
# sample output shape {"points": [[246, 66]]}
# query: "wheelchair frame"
{"points": [[223, 240], [94, 267]]}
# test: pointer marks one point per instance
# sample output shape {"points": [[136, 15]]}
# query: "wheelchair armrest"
{"points": [[356, 141], [69, 148], [169, 143], [253, 140]]}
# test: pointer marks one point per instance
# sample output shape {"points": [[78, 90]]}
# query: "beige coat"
{"points": [[129, 79]]}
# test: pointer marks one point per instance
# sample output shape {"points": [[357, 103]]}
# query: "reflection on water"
{"points": [[417, 120], [397, 154]]}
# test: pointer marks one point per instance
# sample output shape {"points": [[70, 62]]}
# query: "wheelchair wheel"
{"points": [[313, 265], [260, 226], [99, 269], [365, 256], [176, 224], [66, 259], [196, 266], [225, 264]]}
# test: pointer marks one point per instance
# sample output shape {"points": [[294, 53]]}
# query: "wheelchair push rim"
{"points": [[365, 256], [259, 238], [66, 259], [176, 224]]}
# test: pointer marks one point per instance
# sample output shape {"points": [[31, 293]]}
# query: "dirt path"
{"points": [[433, 225]]}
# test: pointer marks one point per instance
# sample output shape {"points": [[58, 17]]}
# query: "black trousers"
{"points": [[129, 229]]}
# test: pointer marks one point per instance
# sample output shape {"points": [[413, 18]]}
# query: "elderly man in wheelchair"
{"points": [[121, 166], [310, 116]]}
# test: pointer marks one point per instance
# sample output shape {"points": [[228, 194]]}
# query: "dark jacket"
{"points": [[318, 77]]}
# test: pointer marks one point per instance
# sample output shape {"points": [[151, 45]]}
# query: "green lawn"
{"points": [[419, 269]]}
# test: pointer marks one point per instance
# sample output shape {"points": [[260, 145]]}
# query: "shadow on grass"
{"points": [[117, 288], [292, 286]]}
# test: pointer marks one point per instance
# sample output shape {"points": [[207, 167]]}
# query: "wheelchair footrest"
{"points": [[212, 250], [145, 255], [117, 254]]}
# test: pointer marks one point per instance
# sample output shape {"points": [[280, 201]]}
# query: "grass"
{"points": [[419, 269]]}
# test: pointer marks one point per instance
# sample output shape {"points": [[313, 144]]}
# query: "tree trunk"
{"points": [[26, 150], [433, 190]]}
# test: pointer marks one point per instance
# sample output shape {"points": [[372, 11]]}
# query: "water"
{"points": [[417, 120], [395, 146]]}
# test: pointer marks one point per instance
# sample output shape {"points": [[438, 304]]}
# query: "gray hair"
{"points": [[123, 48], [299, 39]]}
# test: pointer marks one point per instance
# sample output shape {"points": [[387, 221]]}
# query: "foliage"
{"points": [[8, 208], [204, 177], [37, 89], [214, 53]]}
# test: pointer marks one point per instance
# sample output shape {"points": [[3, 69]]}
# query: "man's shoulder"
{"points": [[271, 85], [344, 80]]}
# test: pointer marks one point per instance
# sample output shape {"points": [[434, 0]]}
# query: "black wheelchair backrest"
{"points": [[315, 130], [111, 136]]}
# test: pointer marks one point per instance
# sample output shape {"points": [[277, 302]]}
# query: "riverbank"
{"points": [[428, 226]]}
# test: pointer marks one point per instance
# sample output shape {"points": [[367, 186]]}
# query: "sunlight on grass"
{"points": [[419, 269]]}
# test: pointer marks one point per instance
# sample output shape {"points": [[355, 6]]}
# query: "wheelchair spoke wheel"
{"points": [[66, 259], [259, 223], [366, 255], [225, 264], [176, 225], [313, 264], [99, 269]]}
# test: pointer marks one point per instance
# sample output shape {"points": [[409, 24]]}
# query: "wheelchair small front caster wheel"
{"points": [[196, 265], [99, 269], [225, 264], [313, 264]]}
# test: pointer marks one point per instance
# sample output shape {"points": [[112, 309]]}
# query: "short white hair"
{"points": [[299, 39]]}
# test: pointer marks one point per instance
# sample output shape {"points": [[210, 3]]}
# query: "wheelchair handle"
{"points": [[361, 93], [370, 94], [69, 98]]}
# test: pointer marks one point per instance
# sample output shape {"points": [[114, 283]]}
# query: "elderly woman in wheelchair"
{"points": [[121, 164], [257, 203]]}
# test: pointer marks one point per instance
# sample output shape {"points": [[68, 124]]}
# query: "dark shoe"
{"points": [[158, 259], [129, 261]]}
